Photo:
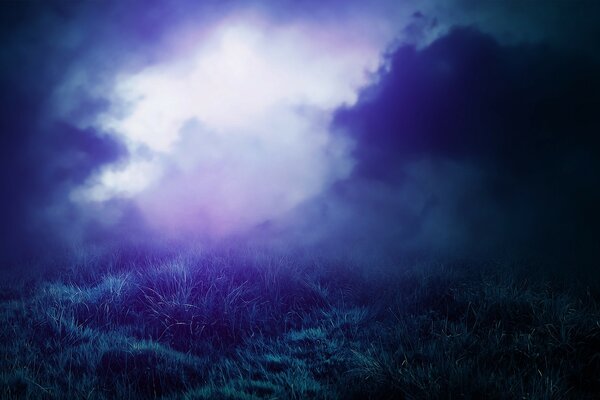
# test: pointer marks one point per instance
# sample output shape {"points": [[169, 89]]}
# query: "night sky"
{"points": [[453, 128]]}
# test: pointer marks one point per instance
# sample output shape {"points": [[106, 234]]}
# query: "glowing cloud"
{"points": [[233, 130]]}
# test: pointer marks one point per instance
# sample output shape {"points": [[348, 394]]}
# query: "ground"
{"points": [[249, 325]]}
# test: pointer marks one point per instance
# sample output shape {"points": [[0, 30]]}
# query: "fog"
{"points": [[463, 129]]}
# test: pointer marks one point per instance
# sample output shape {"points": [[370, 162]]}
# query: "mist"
{"points": [[299, 199], [378, 130]]}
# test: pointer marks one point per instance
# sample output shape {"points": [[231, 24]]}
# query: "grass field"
{"points": [[249, 325]]}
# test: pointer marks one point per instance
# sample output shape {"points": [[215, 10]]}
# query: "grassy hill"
{"points": [[249, 325]]}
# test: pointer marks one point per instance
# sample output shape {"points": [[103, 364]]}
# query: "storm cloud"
{"points": [[472, 129], [474, 146]]}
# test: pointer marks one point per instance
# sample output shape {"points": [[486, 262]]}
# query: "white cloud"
{"points": [[234, 130]]}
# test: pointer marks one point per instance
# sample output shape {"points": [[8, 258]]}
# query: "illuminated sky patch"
{"points": [[233, 129]]}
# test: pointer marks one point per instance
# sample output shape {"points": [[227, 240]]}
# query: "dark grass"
{"points": [[246, 325]]}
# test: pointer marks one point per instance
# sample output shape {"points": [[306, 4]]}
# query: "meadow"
{"points": [[249, 324]]}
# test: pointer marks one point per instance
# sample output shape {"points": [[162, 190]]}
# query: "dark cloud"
{"points": [[516, 129], [40, 158], [40, 163], [472, 141], [565, 24]]}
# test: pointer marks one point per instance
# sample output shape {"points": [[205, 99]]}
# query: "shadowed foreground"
{"points": [[251, 326]]}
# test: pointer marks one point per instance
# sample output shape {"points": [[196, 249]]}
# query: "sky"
{"points": [[459, 128]]}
